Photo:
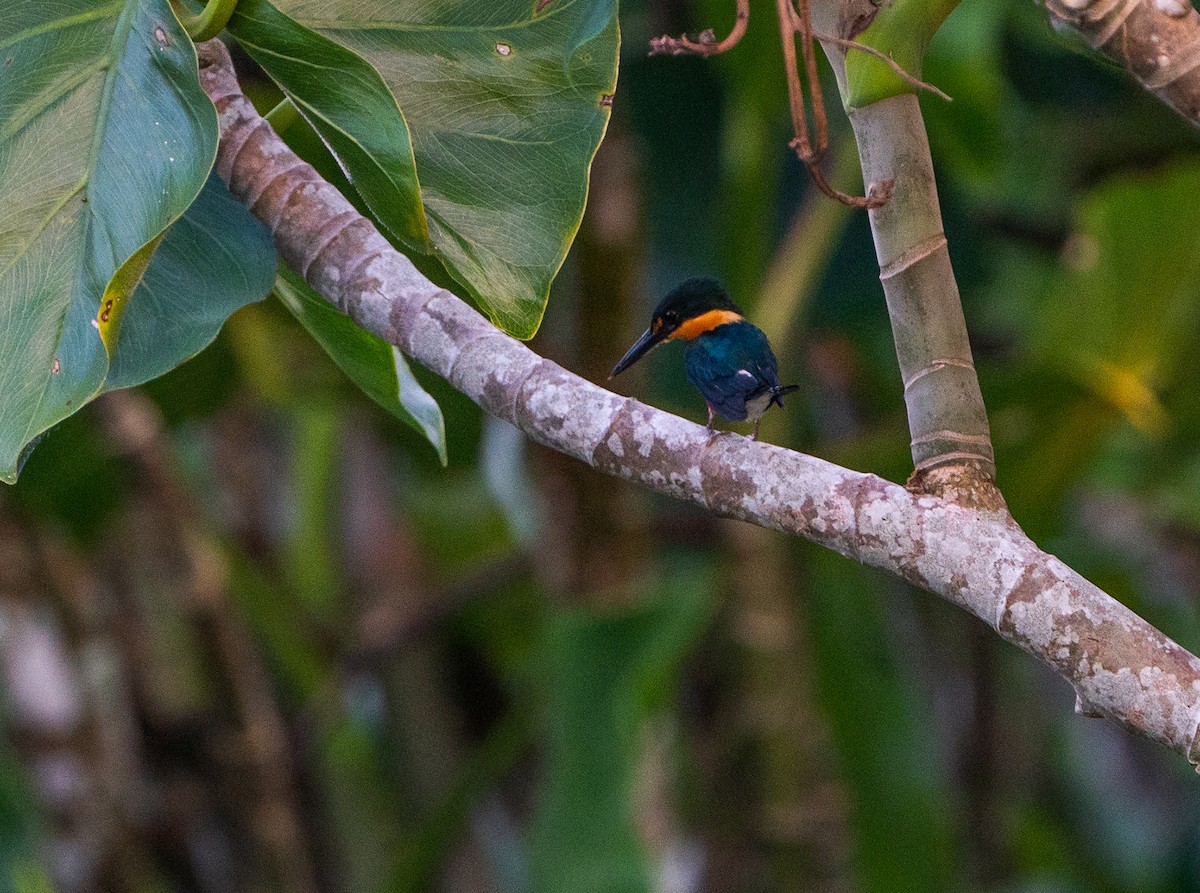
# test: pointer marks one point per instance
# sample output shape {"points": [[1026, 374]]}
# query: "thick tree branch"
{"points": [[1157, 40], [1120, 666]]}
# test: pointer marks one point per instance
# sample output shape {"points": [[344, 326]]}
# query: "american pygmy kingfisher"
{"points": [[727, 359]]}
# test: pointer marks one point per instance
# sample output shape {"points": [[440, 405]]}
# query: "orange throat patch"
{"points": [[705, 322]]}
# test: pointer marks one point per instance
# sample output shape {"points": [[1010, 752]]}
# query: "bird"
{"points": [[727, 359]]}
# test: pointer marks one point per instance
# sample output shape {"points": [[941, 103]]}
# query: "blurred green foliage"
{"points": [[460, 716]]}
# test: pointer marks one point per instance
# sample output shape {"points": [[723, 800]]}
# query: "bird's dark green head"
{"points": [[693, 307], [693, 298]]}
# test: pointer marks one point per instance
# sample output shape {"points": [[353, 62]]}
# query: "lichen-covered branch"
{"points": [[1120, 666], [1157, 40]]}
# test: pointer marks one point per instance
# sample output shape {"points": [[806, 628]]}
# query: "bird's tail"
{"points": [[778, 392]]}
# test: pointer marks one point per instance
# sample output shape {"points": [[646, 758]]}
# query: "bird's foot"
{"points": [[712, 432]]}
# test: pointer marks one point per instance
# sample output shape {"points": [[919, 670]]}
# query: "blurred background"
{"points": [[254, 638]]}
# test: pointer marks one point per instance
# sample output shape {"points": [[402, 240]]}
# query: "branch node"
{"points": [[1085, 709], [706, 43], [877, 195], [967, 480]]}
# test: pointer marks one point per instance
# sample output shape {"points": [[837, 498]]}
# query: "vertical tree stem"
{"points": [[951, 443], [946, 415]]}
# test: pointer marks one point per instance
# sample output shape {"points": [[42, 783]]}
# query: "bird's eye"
{"points": [[670, 317]]}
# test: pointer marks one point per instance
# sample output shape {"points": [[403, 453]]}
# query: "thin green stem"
{"points": [[209, 22], [283, 116]]}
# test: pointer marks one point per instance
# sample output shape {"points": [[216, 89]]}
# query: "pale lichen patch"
{"points": [[643, 436], [671, 432], [570, 413], [1147, 705]]}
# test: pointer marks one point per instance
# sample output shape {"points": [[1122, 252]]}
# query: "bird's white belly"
{"points": [[757, 406]]}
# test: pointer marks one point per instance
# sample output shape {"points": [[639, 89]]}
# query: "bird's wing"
{"points": [[727, 390], [758, 360], [727, 373]]}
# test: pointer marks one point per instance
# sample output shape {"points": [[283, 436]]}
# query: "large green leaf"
{"points": [[506, 103], [369, 361], [105, 139], [216, 258], [348, 104]]}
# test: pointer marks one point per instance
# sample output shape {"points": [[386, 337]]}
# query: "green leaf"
{"points": [[506, 102], [1138, 296], [348, 104], [595, 19], [105, 139], [217, 258], [370, 362], [603, 675], [882, 730], [420, 404], [901, 31], [1111, 331]]}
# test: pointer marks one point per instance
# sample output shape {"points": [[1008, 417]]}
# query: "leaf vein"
{"points": [[58, 24]]}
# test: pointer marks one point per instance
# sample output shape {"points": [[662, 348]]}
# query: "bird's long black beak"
{"points": [[649, 340]]}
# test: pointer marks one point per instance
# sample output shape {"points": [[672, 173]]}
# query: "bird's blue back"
{"points": [[729, 365]]}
